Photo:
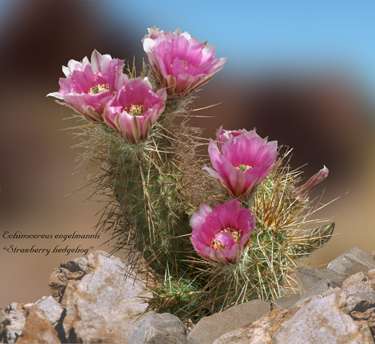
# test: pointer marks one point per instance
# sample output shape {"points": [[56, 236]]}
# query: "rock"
{"points": [[313, 281], [343, 315], [287, 301], [13, 322], [96, 300], [309, 277], [257, 333], [50, 308], [322, 321], [351, 262], [3, 324], [72, 270], [212, 327], [156, 328], [38, 329], [365, 311], [356, 289], [100, 300]]}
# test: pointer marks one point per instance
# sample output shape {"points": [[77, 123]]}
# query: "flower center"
{"points": [[217, 244], [135, 109], [225, 238], [235, 235], [185, 64], [180, 63], [99, 88], [243, 167]]}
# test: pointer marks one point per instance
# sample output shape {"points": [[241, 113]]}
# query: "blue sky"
{"points": [[262, 33], [259, 34]]}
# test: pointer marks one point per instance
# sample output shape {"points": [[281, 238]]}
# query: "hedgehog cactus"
{"points": [[210, 242]]}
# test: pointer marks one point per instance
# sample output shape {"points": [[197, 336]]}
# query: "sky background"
{"points": [[262, 33]]}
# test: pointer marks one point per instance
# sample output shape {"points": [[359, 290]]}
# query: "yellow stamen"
{"points": [[218, 245], [135, 109], [243, 167], [99, 88], [236, 236], [234, 233]]}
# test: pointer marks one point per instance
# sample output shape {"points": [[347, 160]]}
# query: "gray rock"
{"points": [[156, 328], [313, 281], [319, 320], [351, 262], [257, 333], [38, 329], [101, 301], [212, 327], [357, 288], [94, 302], [31, 323], [3, 324], [287, 301], [308, 277], [343, 315], [322, 321], [50, 308], [73, 270], [13, 322]]}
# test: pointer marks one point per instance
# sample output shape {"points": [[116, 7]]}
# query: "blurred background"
{"points": [[301, 72]]}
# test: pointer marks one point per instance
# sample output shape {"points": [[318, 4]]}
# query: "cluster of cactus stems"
{"points": [[151, 176]]}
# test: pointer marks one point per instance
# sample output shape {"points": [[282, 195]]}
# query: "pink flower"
{"points": [[181, 62], [134, 109], [223, 135], [220, 234], [240, 159], [313, 181], [89, 85]]}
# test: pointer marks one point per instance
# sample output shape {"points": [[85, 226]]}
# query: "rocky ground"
{"points": [[91, 303]]}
